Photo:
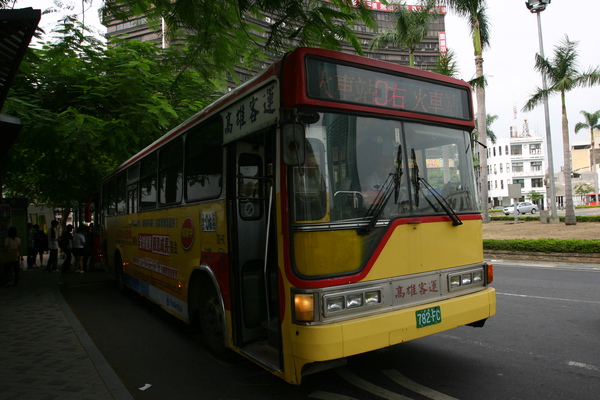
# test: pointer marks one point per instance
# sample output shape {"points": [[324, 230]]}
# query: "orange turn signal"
{"points": [[304, 309], [490, 273]]}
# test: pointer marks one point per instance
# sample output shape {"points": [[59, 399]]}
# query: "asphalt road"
{"points": [[542, 344]]}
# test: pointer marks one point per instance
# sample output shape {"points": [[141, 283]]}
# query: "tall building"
{"points": [[426, 55]]}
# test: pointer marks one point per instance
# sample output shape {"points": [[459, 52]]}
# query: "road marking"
{"points": [[548, 298], [347, 375], [415, 387], [319, 394], [582, 365]]}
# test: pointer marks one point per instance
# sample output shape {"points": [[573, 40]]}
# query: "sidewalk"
{"points": [[44, 351]]}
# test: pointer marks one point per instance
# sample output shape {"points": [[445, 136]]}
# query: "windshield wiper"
{"points": [[442, 202], [391, 185], [417, 180]]}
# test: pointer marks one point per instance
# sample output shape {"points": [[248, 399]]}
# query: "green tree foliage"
{"points": [[563, 74], [225, 33], [583, 189], [446, 64], [409, 29], [86, 108], [535, 196]]}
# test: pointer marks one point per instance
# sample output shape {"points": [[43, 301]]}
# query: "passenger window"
{"points": [[204, 162], [121, 193], [170, 176], [148, 187]]}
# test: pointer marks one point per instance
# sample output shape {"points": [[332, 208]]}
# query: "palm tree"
{"points": [[563, 75], [488, 127], [475, 12], [446, 64], [592, 121], [409, 30], [490, 134]]}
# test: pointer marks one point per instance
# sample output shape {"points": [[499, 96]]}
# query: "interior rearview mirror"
{"points": [[293, 144]]}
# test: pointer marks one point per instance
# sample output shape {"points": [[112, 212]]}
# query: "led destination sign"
{"points": [[338, 82]]}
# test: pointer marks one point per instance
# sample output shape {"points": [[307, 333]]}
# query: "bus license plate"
{"points": [[429, 316]]}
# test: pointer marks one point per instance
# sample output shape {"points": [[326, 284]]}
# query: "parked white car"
{"points": [[522, 208]]}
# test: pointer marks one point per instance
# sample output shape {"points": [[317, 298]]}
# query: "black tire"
{"points": [[533, 210], [212, 323]]}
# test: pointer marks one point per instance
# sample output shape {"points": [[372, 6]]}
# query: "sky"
{"points": [[508, 61], [510, 58]]}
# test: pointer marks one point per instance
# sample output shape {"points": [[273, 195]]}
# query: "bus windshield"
{"points": [[362, 168]]}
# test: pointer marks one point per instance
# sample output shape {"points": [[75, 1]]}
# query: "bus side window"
{"points": [[121, 192], [132, 198], [111, 197], [148, 182], [204, 162], [170, 175], [133, 177]]}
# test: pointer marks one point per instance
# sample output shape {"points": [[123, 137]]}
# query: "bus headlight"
{"points": [[373, 297], [466, 279], [334, 304], [454, 281], [354, 300], [304, 307], [351, 301]]}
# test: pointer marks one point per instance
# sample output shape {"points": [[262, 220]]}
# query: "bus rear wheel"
{"points": [[212, 323]]}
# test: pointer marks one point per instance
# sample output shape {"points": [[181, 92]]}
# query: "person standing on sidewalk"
{"points": [[78, 248], [12, 245], [52, 247]]}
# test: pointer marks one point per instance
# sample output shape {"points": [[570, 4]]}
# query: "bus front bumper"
{"points": [[351, 337]]}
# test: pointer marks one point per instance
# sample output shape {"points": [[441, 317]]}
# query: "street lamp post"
{"points": [[536, 7]]}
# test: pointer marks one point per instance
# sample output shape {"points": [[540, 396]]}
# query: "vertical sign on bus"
{"points": [[253, 112]]}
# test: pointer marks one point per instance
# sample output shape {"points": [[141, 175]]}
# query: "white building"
{"points": [[518, 159]]}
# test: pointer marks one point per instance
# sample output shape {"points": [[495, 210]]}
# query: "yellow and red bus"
{"points": [[324, 209]]}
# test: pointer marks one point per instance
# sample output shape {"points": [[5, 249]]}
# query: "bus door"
{"points": [[257, 327]]}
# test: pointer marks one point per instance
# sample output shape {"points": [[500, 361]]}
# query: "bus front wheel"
{"points": [[212, 323]]}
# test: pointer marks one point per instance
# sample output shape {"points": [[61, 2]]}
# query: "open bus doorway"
{"points": [[254, 266]]}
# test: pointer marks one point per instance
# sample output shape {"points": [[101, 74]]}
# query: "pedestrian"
{"points": [[31, 253], [52, 247], [12, 245], [78, 249], [41, 245], [65, 243]]}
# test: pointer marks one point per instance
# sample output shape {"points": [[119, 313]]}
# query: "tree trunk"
{"points": [[570, 218], [482, 131]]}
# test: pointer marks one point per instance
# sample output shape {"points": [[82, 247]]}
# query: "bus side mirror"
{"points": [[293, 144]]}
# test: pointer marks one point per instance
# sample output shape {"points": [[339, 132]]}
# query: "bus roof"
{"points": [[289, 68]]}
